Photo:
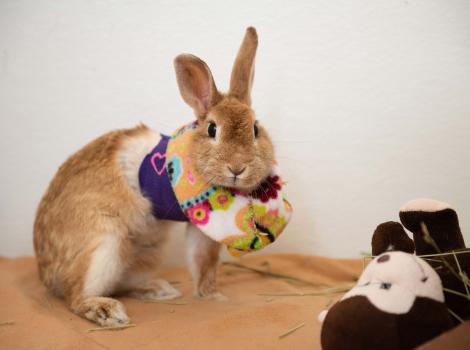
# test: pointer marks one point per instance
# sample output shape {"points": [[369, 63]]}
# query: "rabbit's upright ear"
{"points": [[196, 84], [244, 67]]}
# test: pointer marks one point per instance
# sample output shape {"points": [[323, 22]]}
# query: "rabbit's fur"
{"points": [[95, 235]]}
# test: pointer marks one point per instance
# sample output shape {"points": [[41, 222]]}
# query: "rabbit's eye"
{"points": [[255, 129], [212, 130]]}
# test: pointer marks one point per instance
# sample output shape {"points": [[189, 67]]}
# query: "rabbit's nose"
{"points": [[236, 172]]}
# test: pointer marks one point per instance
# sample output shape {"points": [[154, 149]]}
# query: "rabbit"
{"points": [[95, 235]]}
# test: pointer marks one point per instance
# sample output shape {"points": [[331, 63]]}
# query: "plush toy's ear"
{"points": [[441, 221], [391, 236]]}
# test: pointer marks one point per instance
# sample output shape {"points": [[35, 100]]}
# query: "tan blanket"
{"points": [[31, 318]]}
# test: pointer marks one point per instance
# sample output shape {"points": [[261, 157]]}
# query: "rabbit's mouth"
{"points": [[246, 184], [244, 175], [235, 182]]}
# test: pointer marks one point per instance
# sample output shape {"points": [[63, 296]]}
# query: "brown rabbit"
{"points": [[95, 234]]}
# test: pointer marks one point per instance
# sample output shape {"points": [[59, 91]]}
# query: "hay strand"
{"points": [[425, 256], [456, 293], [292, 330], [268, 273], [166, 302], [111, 328], [462, 274], [428, 239], [457, 317], [7, 323], [326, 291], [444, 254]]}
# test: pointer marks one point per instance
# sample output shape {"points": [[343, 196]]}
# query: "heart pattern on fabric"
{"points": [[158, 161]]}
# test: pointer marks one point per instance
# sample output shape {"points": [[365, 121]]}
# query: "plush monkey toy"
{"points": [[398, 303]]}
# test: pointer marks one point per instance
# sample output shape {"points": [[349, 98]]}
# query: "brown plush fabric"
{"points": [[246, 321], [443, 225], [444, 228], [391, 236], [358, 324]]}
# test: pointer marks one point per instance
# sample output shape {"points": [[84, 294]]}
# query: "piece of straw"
{"points": [[268, 273], [434, 260], [112, 328], [424, 256], [461, 273], [428, 239], [465, 278], [443, 254], [456, 293], [167, 302], [7, 323], [292, 330], [455, 315], [325, 291]]}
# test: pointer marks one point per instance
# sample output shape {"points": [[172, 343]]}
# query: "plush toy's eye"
{"points": [[383, 258], [386, 286], [212, 129], [255, 129]]}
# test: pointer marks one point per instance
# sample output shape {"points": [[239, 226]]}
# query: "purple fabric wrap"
{"points": [[155, 184]]}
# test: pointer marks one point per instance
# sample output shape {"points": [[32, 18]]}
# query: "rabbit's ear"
{"points": [[244, 67], [196, 84]]}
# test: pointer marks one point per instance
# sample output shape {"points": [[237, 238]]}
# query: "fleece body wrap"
{"points": [[243, 221]]}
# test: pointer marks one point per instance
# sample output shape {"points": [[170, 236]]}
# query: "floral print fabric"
{"points": [[244, 222]]}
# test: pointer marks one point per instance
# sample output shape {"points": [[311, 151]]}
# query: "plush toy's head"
{"points": [[396, 304]]}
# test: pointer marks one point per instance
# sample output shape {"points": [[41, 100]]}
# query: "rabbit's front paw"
{"points": [[105, 311]]}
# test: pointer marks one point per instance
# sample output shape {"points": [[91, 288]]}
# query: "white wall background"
{"points": [[368, 101]]}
